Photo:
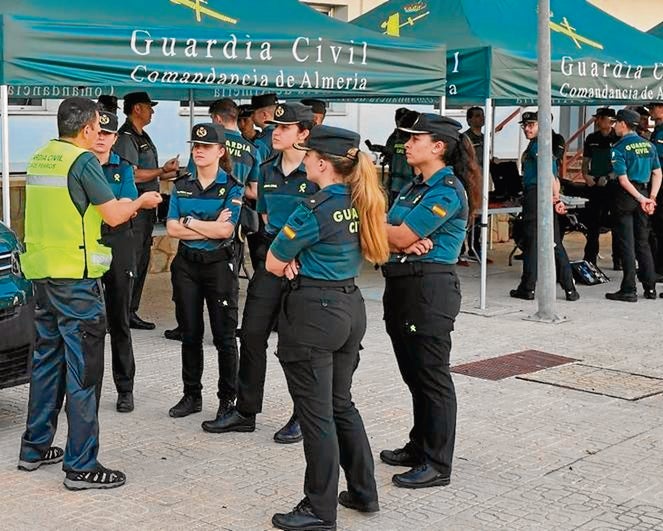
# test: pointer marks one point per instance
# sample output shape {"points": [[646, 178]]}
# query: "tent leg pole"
{"points": [[487, 144], [4, 105], [192, 108], [443, 105]]}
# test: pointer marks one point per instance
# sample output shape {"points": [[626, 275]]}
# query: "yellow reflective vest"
{"points": [[60, 242]]}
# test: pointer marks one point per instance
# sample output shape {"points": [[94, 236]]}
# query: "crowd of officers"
{"points": [[310, 206]]}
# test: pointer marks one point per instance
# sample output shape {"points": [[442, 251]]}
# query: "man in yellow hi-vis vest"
{"points": [[67, 197]]}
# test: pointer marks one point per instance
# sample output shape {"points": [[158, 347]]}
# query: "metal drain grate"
{"points": [[600, 381], [510, 365]]}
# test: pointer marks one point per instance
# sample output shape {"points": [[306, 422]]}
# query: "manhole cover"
{"points": [[511, 365], [599, 381]]}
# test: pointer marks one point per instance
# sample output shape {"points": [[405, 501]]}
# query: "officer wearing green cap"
{"points": [[320, 249], [263, 107], [426, 227], [203, 212], [636, 164], [525, 290], [67, 198], [118, 280], [282, 185], [597, 171]]}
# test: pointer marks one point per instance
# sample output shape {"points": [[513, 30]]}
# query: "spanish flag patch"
{"points": [[289, 232], [437, 209]]}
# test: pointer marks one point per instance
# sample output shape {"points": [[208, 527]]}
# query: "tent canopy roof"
{"points": [[216, 48], [492, 49]]}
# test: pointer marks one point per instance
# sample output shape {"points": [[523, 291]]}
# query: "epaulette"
{"points": [[450, 180], [269, 159], [186, 174], [317, 199]]}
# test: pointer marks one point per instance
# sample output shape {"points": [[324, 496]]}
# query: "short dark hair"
{"points": [[470, 112], [74, 114], [225, 107]]}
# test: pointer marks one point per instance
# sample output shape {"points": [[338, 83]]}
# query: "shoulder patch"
{"points": [[182, 176], [438, 210], [316, 199], [450, 180]]}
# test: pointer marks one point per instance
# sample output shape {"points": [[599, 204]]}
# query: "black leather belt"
{"points": [[198, 256], [415, 269], [305, 282]]}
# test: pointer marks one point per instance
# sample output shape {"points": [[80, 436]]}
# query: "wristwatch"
{"points": [[187, 220]]}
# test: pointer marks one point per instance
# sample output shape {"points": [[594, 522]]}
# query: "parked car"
{"points": [[17, 333]]}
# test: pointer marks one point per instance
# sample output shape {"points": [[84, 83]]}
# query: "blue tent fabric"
{"points": [[216, 48], [491, 49]]}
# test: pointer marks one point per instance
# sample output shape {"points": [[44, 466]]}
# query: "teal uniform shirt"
{"points": [[657, 140], [436, 209], [263, 142], [598, 149], [120, 176], [279, 195], [244, 158], [190, 199], [634, 157], [140, 151], [530, 164], [323, 234]]}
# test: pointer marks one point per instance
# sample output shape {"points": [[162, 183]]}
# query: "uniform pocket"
{"points": [[92, 343]]}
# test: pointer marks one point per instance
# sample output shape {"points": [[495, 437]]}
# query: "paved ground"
{"points": [[529, 455]]}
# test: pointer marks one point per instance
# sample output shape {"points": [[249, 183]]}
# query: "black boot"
{"points": [[421, 477], [290, 433], [622, 296], [174, 334], [229, 419], [522, 293], [125, 402], [401, 457], [346, 499], [139, 324], [186, 406], [302, 518]]}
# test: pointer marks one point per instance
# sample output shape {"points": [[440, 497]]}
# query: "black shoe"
{"points": [[352, 502], [616, 266], [175, 334], [421, 477], [400, 457], [230, 420], [101, 478], [302, 518], [186, 406], [621, 296], [51, 456], [137, 323], [650, 294], [520, 293], [520, 256], [125, 402], [572, 295], [290, 433]]}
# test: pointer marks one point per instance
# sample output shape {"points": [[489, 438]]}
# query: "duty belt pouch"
{"points": [[587, 273], [249, 221]]}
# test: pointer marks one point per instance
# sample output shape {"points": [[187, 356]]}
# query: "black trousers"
{"points": [[261, 309], [215, 284], [419, 314], [633, 231], [657, 230], [529, 246], [118, 283], [595, 214], [143, 227], [320, 330]]}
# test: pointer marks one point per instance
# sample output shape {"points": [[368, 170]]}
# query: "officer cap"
{"points": [[291, 113], [207, 133], [318, 106], [108, 121], [628, 116], [605, 112], [133, 98], [655, 104], [640, 109], [263, 100], [528, 117], [245, 111], [333, 141], [434, 124], [108, 103]]}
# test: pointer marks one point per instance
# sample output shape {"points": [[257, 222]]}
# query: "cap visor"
{"points": [[301, 147], [203, 142], [280, 122], [108, 130], [414, 131]]}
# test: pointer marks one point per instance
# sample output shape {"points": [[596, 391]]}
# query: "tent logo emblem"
{"points": [[200, 10], [565, 28], [392, 26]]}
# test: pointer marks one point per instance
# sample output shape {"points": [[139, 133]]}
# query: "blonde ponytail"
{"points": [[369, 199]]}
